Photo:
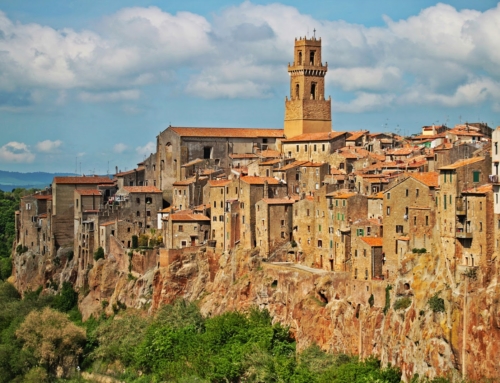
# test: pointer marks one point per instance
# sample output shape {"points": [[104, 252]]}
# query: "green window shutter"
{"points": [[342, 217], [444, 199], [451, 173], [331, 244], [362, 231], [436, 201], [475, 176], [319, 229]]}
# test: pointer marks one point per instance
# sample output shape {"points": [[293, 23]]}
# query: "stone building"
{"points": [[33, 223], [185, 229], [274, 220], [368, 258], [63, 216], [316, 147], [409, 216], [176, 146]]}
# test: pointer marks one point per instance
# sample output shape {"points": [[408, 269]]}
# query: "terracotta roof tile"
{"points": [[193, 162], [252, 180], [483, 189], [373, 241], [430, 179], [142, 189], [185, 182], [188, 217], [227, 132], [353, 136], [216, 183], [242, 155], [326, 136], [459, 164], [270, 153], [83, 180], [43, 197]]}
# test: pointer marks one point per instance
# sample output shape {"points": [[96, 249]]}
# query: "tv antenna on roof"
{"points": [[314, 30]]}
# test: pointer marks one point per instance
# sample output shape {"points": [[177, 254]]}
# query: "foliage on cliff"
{"points": [[9, 203]]}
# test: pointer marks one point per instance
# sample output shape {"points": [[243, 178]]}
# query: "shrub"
{"points": [[471, 273], [135, 242], [294, 244], [67, 299], [387, 306], [70, 255], [371, 300], [143, 240], [402, 303], [99, 253], [436, 304]]}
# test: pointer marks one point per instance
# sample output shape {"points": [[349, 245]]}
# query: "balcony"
{"points": [[460, 208], [461, 234], [493, 179]]}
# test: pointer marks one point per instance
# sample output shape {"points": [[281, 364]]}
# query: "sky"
{"points": [[86, 86]]}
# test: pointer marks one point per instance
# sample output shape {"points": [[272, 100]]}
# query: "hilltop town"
{"points": [[364, 211]]}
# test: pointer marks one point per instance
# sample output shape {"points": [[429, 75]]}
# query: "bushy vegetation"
{"points": [[387, 305], [402, 303], [99, 253], [9, 203], [436, 303]]}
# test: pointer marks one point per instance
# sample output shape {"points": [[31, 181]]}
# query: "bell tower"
{"points": [[307, 111]]}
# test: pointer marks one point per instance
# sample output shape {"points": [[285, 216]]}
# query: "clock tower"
{"points": [[307, 111]]}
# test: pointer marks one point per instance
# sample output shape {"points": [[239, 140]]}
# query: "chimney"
{"points": [[266, 189]]}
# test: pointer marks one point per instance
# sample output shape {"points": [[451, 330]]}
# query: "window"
{"points": [[76, 202], [311, 57], [308, 212], [297, 148], [138, 213], [282, 234], [181, 228], [343, 202], [406, 193], [355, 253], [368, 231], [138, 200], [480, 226], [426, 220], [282, 222], [388, 195], [148, 213], [319, 228], [320, 243], [305, 148], [388, 210], [309, 229], [399, 229], [323, 147], [416, 193], [355, 273], [314, 148], [444, 199], [475, 176], [364, 253], [214, 218], [359, 232], [221, 218], [207, 152], [480, 205]]}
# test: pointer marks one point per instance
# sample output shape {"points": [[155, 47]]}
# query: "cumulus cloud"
{"points": [[147, 149], [16, 152], [434, 57], [119, 148], [48, 146]]}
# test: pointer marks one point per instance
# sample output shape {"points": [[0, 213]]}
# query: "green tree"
{"points": [[99, 253], [52, 339]]}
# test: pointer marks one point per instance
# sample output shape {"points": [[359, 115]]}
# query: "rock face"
{"points": [[330, 309]]}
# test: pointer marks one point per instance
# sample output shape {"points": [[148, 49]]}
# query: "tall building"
{"points": [[307, 111]]}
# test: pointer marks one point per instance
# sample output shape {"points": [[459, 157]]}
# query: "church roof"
{"points": [[325, 136], [227, 132]]}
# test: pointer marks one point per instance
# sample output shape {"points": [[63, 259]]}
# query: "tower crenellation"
{"points": [[307, 110]]}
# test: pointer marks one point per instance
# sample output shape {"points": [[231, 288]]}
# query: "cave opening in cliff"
{"points": [[322, 297]]}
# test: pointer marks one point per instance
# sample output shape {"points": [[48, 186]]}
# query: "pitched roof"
{"points": [[43, 196], [242, 155], [326, 136], [353, 136], [483, 189], [216, 183], [227, 132], [193, 162], [460, 163], [83, 180], [88, 192], [185, 216], [185, 182], [253, 180], [142, 189], [428, 178], [341, 194], [373, 241]]}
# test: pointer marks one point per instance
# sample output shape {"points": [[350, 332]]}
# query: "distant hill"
{"points": [[38, 180]]}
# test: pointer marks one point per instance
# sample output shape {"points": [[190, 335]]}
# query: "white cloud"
{"points": [[146, 150], [119, 148], [16, 152], [110, 96], [433, 57], [48, 146]]}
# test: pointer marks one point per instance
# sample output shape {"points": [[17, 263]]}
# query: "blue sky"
{"points": [[88, 85]]}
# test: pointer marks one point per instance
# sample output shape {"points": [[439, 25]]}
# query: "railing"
{"points": [[462, 234], [493, 178]]}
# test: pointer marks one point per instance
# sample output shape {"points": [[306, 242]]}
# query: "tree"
{"points": [[67, 299], [99, 253], [53, 339]]}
